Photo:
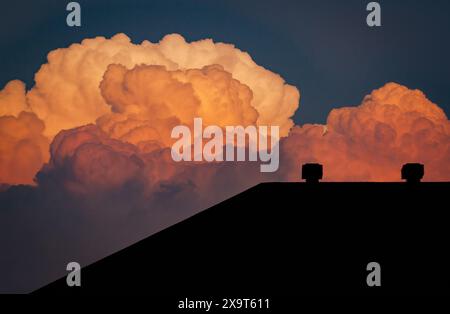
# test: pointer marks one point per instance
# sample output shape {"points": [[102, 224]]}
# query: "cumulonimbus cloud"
{"points": [[147, 102], [135, 94], [222, 82], [66, 92]]}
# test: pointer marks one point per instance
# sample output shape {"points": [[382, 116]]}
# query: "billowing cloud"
{"points": [[23, 148], [393, 125], [204, 78], [13, 99], [86, 161], [66, 92], [275, 101], [136, 93], [148, 101]]}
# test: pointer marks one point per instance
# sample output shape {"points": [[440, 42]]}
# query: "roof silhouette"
{"points": [[289, 238]]}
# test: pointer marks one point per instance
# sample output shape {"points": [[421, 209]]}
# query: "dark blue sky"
{"points": [[324, 48]]}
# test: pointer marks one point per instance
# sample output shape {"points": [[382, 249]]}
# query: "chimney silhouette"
{"points": [[413, 173], [312, 173]]}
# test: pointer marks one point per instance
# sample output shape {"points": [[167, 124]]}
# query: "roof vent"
{"points": [[413, 173], [312, 173]]}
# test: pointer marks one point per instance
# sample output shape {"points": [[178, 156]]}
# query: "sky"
{"points": [[324, 48]]}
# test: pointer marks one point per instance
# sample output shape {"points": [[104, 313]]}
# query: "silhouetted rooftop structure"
{"points": [[413, 172], [312, 173], [290, 238]]}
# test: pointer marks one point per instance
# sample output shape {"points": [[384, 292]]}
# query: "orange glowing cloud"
{"points": [[13, 99], [109, 104], [393, 125], [66, 92], [148, 101], [214, 80], [23, 148]]}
